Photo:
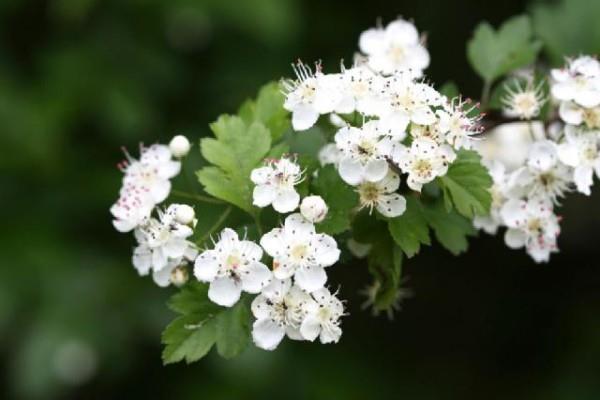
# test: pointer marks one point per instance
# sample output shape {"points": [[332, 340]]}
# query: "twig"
{"points": [[197, 197]]}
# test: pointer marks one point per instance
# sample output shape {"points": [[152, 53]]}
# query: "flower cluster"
{"points": [[406, 123], [558, 159]]}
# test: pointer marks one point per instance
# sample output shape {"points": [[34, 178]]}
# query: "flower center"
{"points": [[526, 104], [359, 88], [591, 117], [299, 252], [307, 91], [397, 53], [368, 193], [590, 152], [534, 225], [422, 167], [233, 261]]}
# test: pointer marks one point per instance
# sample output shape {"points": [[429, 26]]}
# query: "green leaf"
{"points": [[410, 229], [450, 228], [494, 53], [237, 149], [568, 28], [385, 264], [233, 330], [201, 324], [450, 90], [467, 184], [340, 199], [267, 109]]}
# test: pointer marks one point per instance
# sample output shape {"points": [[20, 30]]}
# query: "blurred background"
{"points": [[80, 78]]}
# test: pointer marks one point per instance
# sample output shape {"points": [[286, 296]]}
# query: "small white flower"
{"points": [[524, 102], [275, 184], [162, 243], [232, 266], [175, 272], [456, 125], [179, 146], [280, 309], [574, 114], [382, 196], [360, 89], [543, 176], [298, 251], [423, 161], [578, 82], [310, 95], [323, 322], [580, 151], [363, 153], [132, 209], [395, 48], [531, 224], [314, 209]]}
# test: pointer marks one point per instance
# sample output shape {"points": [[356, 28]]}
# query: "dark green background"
{"points": [[79, 78]]}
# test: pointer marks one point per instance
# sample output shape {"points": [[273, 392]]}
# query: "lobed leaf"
{"points": [[340, 199], [410, 229]]}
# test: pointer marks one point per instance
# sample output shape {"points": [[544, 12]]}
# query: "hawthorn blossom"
{"points": [[280, 309], [360, 89], [314, 209], [531, 224], [456, 124], [132, 209], [310, 95], [175, 272], [232, 266], [423, 161], [364, 153], [579, 82], [382, 196], [275, 185], [574, 114], [299, 251], [395, 48], [524, 102], [323, 322], [580, 151]]}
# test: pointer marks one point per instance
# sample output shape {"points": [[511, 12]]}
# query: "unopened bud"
{"points": [[184, 214], [179, 276], [313, 208], [179, 146]]}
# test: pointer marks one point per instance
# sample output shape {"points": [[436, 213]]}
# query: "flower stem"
{"points": [[197, 197], [485, 94], [215, 226]]}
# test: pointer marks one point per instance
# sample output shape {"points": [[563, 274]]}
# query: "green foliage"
{"points": [[494, 53], [267, 109], [451, 229], [201, 324], [237, 149], [450, 90], [410, 229], [467, 184], [560, 26], [340, 198]]}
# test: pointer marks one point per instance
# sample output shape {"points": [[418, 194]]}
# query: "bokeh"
{"points": [[81, 78]]}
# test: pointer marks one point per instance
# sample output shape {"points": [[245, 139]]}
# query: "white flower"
{"points": [[524, 102], [175, 272], [310, 95], [232, 266], [329, 154], [324, 322], [280, 309], [298, 251], [491, 222], [456, 125], [382, 196], [574, 114], [132, 209], [578, 82], [423, 161], [580, 151], [179, 146], [314, 209], [395, 48], [407, 101], [360, 91], [543, 176], [363, 153], [162, 243], [531, 224], [275, 184]]}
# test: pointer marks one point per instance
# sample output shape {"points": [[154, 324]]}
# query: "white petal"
{"points": [[263, 195], [351, 171], [310, 278], [391, 205], [310, 328], [514, 213], [542, 155], [297, 225], [256, 277], [331, 335], [224, 291], [515, 238], [583, 177], [261, 307], [206, 266], [372, 41], [163, 277], [570, 113], [273, 242], [142, 260], [169, 169], [175, 248], [375, 170], [423, 116], [401, 31], [160, 190], [267, 334], [262, 175], [286, 201], [304, 117], [326, 252], [159, 259], [277, 289], [568, 153]]}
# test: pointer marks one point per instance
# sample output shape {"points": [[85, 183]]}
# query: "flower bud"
{"points": [[184, 214], [179, 146], [313, 208], [179, 276]]}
